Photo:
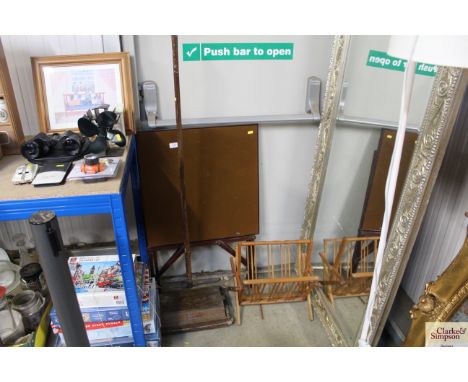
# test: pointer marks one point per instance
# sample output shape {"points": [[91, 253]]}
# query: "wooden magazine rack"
{"points": [[351, 269], [275, 272]]}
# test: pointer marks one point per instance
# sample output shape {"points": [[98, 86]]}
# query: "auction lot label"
{"points": [[382, 60], [447, 334], [238, 51]]}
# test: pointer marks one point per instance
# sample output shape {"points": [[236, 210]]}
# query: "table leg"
{"points": [[122, 240], [138, 206]]}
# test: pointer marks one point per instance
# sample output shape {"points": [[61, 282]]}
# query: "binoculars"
{"points": [[54, 148], [96, 127]]}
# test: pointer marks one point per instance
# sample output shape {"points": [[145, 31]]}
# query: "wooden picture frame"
{"points": [[441, 299], [11, 131], [67, 86]]}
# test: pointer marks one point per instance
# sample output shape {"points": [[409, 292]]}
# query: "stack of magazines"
{"points": [[99, 289]]}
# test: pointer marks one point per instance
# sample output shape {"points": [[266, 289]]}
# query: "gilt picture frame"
{"points": [[444, 299], [67, 86]]}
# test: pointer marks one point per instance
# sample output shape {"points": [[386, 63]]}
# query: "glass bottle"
{"points": [[25, 256]]}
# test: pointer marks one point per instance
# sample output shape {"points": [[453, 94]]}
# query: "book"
{"points": [[98, 281], [92, 274], [109, 331], [151, 339], [104, 314], [51, 174], [105, 330]]}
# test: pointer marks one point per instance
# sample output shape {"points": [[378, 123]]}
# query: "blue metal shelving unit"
{"points": [[104, 203]]}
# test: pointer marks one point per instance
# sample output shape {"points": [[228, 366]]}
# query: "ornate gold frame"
{"points": [[441, 298], [436, 128]]}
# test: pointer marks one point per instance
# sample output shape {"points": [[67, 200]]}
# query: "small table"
{"points": [[76, 198]]}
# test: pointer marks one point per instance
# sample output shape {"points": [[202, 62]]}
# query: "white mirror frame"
{"points": [[439, 119]]}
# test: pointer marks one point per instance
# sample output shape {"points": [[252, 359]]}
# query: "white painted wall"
{"points": [[238, 88], [233, 88]]}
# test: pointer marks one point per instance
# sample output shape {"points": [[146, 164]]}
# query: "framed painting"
{"points": [[67, 86]]}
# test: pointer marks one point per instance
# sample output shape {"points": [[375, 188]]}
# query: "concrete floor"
{"points": [[284, 324]]}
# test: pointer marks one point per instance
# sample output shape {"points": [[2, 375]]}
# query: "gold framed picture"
{"points": [[67, 86]]}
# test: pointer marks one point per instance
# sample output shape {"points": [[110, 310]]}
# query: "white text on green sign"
{"points": [[238, 51], [382, 60]]}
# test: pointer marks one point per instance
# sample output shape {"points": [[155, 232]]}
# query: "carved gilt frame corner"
{"points": [[441, 298], [441, 113], [325, 133]]}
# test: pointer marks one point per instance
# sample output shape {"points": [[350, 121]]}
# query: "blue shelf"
{"points": [[90, 203]]}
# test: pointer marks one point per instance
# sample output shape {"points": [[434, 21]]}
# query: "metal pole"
{"points": [[280, 120], [180, 152], [229, 121], [49, 246]]}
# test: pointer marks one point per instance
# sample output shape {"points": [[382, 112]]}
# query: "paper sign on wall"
{"points": [[382, 60], [237, 51]]}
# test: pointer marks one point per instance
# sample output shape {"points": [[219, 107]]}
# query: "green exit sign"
{"points": [[237, 51], [382, 60]]}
